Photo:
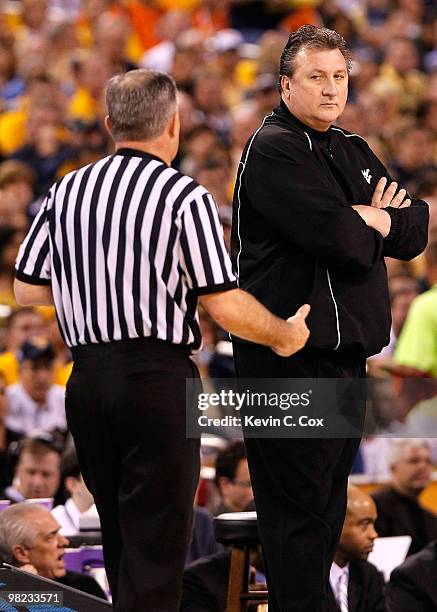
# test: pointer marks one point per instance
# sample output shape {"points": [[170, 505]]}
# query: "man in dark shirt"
{"points": [[315, 213], [399, 509], [356, 584], [413, 585], [232, 479]]}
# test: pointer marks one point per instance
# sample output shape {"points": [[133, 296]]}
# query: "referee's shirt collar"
{"points": [[128, 152]]}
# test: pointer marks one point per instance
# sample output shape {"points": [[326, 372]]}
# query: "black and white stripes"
{"points": [[127, 244]]}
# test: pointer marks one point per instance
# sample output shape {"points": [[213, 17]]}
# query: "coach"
{"points": [[126, 246], [312, 223]]}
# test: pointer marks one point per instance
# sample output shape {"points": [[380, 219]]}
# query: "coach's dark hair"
{"points": [[140, 103], [310, 37]]}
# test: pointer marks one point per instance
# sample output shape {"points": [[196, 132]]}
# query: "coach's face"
{"points": [[317, 92]]}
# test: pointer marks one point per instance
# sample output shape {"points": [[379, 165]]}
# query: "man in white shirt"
{"points": [[35, 402], [80, 500], [38, 470], [356, 585]]}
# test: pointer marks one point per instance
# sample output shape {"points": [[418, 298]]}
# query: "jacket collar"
{"points": [[283, 112]]}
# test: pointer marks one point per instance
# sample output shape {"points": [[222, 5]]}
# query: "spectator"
{"points": [[232, 479], [209, 98], [400, 68], [414, 146], [111, 35], [203, 542], [10, 240], [403, 290], [80, 499], [413, 585], [214, 175], [11, 85], [6, 437], [91, 71], [205, 581], [198, 146], [16, 192], [22, 326], [417, 345], [38, 469], [170, 25], [356, 585], [36, 403], [46, 153], [399, 509], [30, 539]]}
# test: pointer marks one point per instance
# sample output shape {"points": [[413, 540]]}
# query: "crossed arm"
{"points": [[375, 215]]}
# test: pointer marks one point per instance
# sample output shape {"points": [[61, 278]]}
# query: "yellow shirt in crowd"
{"points": [[10, 370]]}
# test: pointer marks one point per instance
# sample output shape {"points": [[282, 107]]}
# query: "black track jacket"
{"points": [[296, 239]]}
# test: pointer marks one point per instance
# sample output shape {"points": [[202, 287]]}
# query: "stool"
{"points": [[239, 530]]}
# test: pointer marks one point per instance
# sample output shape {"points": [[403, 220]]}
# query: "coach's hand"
{"points": [[374, 215], [296, 335], [382, 197]]}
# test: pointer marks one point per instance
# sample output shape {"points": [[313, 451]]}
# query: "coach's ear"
{"points": [[286, 86], [108, 125]]}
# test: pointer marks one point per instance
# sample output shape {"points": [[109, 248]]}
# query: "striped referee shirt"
{"points": [[127, 244]]}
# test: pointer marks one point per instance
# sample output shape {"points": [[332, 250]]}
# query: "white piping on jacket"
{"points": [[243, 163], [347, 135], [336, 311], [309, 140]]}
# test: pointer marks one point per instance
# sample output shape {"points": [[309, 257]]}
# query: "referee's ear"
{"points": [[172, 130], [174, 125], [108, 125]]}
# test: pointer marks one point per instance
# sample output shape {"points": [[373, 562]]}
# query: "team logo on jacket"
{"points": [[367, 175]]}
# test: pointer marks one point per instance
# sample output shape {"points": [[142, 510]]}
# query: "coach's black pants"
{"points": [[125, 407], [299, 486]]}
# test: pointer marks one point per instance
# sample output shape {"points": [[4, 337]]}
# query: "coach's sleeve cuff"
{"points": [[395, 222]]}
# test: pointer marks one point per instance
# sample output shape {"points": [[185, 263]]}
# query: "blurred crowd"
{"points": [[55, 58]]}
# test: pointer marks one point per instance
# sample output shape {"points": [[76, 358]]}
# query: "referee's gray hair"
{"points": [[310, 37], [399, 445], [140, 104], [14, 529]]}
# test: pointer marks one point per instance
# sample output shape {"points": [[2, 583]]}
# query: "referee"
{"points": [[124, 248]]}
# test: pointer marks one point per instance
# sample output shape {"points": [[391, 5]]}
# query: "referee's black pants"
{"points": [[125, 406], [299, 486]]}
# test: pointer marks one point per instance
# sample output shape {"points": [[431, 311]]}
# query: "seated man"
{"points": [[232, 479], [38, 469], [36, 403], [413, 585], [30, 539], [80, 499], [6, 437], [398, 506], [205, 581], [356, 585]]}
